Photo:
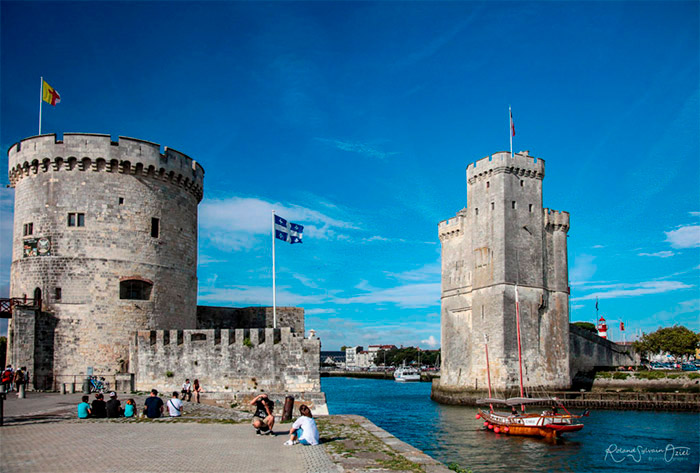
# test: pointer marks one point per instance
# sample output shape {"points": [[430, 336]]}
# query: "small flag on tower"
{"points": [[288, 231], [50, 95], [512, 125]]}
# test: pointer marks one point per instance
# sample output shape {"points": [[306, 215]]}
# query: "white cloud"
{"points": [[658, 254], [359, 148], [236, 223], [432, 342], [319, 311], [694, 214], [597, 246], [409, 295], [583, 268], [619, 290], [237, 296], [687, 236], [429, 272], [577, 306]]}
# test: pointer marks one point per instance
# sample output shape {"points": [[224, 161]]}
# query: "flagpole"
{"points": [[41, 98], [274, 291], [510, 130]]}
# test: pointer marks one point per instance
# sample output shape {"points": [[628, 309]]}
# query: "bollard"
{"points": [[21, 394], [71, 388], [288, 408], [63, 388], [86, 385]]}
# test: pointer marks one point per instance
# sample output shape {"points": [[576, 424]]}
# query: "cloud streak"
{"points": [[620, 290], [658, 254], [363, 149]]}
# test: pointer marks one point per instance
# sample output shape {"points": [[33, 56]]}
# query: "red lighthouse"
{"points": [[602, 328]]}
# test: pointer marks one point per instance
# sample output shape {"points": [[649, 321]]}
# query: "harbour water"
{"points": [[616, 441]]}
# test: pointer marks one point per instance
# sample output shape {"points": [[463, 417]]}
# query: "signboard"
{"points": [[37, 247]]}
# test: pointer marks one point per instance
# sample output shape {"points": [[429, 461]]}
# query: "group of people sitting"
{"points": [[153, 408], [304, 430]]}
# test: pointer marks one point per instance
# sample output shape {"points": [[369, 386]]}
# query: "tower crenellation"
{"points": [[520, 164]]}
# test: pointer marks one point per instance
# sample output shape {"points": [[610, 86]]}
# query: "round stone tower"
{"points": [[105, 236]]}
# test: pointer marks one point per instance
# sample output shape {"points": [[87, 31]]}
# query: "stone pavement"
{"points": [[42, 434]]}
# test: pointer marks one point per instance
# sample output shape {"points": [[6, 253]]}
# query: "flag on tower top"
{"points": [[50, 95], [288, 231], [512, 125]]}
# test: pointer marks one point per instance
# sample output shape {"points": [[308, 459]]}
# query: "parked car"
{"points": [[689, 367]]}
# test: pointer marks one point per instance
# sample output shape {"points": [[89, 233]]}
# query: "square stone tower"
{"points": [[504, 239]]}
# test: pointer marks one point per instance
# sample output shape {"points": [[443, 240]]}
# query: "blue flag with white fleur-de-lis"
{"points": [[288, 231]]}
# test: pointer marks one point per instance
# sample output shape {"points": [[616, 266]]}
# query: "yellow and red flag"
{"points": [[49, 94]]}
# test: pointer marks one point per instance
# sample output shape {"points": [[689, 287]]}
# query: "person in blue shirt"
{"points": [[154, 405], [84, 410], [129, 408]]}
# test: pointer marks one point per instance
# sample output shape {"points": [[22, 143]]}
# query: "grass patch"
{"points": [[694, 375], [604, 374], [457, 468], [650, 375], [620, 375], [399, 462]]}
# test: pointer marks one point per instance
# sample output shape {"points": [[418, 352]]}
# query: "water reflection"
{"points": [[453, 434]]}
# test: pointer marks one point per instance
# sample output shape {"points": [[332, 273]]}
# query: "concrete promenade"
{"points": [[42, 434]]}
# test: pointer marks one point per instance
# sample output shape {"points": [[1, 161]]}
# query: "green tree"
{"points": [[586, 326], [676, 340]]}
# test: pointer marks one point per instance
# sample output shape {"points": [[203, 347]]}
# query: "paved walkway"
{"points": [[42, 434]]}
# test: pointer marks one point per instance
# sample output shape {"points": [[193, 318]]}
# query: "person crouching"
{"points": [[263, 420], [304, 430]]}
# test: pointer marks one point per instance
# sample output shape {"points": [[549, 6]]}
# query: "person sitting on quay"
{"points": [[19, 380], [187, 390], [175, 405], [84, 410], [99, 407], [304, 430], [7, 376], [154, 405], [114, 406], [196, 390], [130, 408], [263, 420]]}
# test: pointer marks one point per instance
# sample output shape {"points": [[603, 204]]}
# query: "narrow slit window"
{"points": [[493, 206], [71, 219], [81, 220], [121, 200], [28, 229], [57, 293], [155, 224], [476, 211], [488, 184], [530, 208], [514, 205], [522, 183]]}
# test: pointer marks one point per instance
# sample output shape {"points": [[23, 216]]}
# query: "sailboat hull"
{"points": [[531, 425]]}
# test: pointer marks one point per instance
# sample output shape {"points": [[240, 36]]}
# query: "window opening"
{"points": [[28, 228], [57, 294], [121, 200], [514, 205], [135, 289], [155, 223]]}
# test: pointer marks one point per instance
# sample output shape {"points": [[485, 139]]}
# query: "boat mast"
{"points": [[488, 369], [520, 354]]}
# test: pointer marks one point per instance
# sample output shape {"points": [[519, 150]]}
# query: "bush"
{"points": [[169, 374], [694, 375], [247, 342]]}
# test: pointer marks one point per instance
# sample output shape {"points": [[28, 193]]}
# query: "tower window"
{"points": [[135, 289], [492, 206], [57, 293], [155, 223], [530, 208], [28, 228], [514, 205], [488, 184], [522, 183], [121, 200], [76, 219], [476, 211]]}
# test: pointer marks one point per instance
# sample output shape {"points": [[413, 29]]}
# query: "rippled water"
{"points": [[452, 434]]}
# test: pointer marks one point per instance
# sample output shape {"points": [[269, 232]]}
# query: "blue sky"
{"points": [[358, 120]]}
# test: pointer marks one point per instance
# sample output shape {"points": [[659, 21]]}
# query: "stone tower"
{"points": [[503, 238], [105, 235]]}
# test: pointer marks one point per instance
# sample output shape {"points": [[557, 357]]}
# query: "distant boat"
{"points": [[549, 424], [406, 373]]}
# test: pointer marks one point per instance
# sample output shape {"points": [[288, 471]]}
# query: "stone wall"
{"points": [[226, 361], [249, 317], [590, 352], [88, 204]]}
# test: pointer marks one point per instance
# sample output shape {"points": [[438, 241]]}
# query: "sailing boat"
{"points": [[549, 424]]}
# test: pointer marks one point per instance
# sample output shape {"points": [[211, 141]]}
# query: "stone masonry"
{"points": [[503, 241], [104, 215]]}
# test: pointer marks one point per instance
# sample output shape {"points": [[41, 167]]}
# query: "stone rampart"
{"points": [[226, 361], [521, 164], [590, 352], [249, 317], [96, 152]]}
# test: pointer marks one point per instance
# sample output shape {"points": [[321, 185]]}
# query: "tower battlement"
{"points": [[452, 226], [521, 164], [97, 152], [556, 219]]}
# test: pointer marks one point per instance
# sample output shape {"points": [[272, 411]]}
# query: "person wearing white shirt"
{"points": [[304, 430], [187, 390], [175, 405]]}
